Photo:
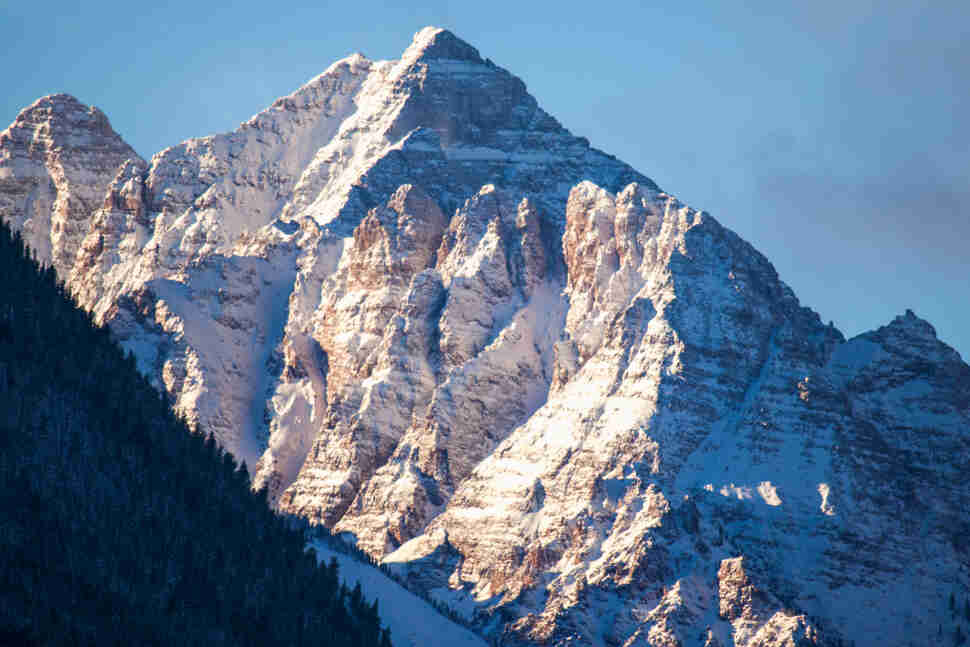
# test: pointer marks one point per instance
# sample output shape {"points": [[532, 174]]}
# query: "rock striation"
{"points": [[537, 386], [57, 160]]}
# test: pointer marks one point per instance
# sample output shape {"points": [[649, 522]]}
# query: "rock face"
{"points": [[56, 162], [539, 387]]}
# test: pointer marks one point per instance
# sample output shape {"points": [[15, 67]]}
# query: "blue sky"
{"points": [[831, 135]]}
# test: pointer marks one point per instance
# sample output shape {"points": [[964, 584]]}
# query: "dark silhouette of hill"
{"points": [[119, 525]]}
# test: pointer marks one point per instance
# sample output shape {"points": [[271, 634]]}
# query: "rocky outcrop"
{"points": [[374, 331], [118, 230], [754, 614], [541, 389], [490, 357]]}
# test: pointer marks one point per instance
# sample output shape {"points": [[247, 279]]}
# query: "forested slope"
{"points": [[118, 525]]}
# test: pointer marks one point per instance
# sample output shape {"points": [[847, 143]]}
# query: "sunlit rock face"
{"points": [[541, 389], [57, 160]]}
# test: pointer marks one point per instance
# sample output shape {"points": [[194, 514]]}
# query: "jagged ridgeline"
{"points": [[120, 526]]}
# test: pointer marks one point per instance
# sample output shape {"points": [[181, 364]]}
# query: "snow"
{"points": [[412, 621], [421, 40]]}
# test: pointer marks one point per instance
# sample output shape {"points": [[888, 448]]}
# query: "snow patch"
{"points": [[412, 621]]}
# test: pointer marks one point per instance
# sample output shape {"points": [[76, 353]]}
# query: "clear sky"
{"points": [[832, 135]]}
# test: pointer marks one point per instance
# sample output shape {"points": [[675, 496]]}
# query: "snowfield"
{"points": [[412, 621]]}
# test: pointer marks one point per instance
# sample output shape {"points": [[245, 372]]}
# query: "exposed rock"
{"points": [[699, 414], [489, 350], [373, 327], [56, 161]]}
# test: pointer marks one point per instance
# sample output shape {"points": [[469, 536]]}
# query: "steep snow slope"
{"points": [[543, 389], [412, 621]]}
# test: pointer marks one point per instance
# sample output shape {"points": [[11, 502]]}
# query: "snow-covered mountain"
{"points": [[510, 365]]}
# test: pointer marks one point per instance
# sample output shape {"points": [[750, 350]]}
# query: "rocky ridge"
{"points": [[539, 387]]}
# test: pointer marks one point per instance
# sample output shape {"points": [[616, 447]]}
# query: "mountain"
{"points": [[537, 386]]}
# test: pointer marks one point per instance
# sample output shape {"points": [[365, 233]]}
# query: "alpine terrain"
{"points": [[539, 388]]}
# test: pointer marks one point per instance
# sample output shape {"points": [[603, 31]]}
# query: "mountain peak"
{"points": [[914, 325], [52, 100], [63, 116], [437, 43], [61, 156], [352, 61], [50, 106]]}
